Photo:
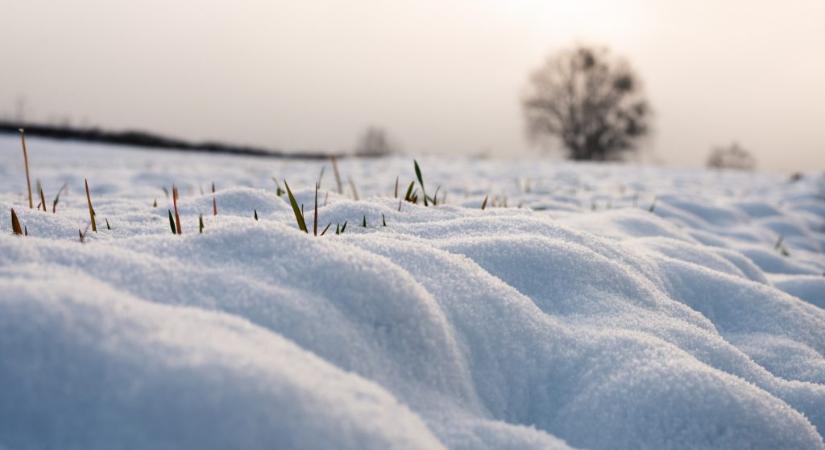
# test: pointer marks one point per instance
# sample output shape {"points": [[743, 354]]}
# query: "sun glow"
{"points": [[558, 23]]}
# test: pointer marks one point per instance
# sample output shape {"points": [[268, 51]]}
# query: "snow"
{"points": [[578, 317]]}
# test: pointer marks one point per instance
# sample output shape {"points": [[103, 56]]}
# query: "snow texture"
{"points": [[605, 307]]}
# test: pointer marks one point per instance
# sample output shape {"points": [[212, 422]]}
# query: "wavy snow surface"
{"points": [[574, 318]]}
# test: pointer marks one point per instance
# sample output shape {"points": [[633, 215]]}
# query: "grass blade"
{"points": [[315, 216], [175, 205], [42, 197], [484, 203], [26, 164], [57, 199], [299, 216], [278, 191], [91, 209], [408, 195], [172, 222], [15, 224], [200, 223], [420, 181], [337, 175], [214, 201], [354, 191], [325, 229]]}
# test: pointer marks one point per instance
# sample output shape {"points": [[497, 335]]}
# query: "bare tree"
{"points": [[589, 101], [731, 157], [375, 141]]}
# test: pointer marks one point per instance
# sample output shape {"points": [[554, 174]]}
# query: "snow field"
{"points": [[552, 325]]}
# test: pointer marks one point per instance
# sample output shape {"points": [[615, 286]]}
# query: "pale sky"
{"points": [[441, 75]]}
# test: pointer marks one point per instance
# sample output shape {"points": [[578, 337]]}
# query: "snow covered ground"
{"points": [[607, 307]]}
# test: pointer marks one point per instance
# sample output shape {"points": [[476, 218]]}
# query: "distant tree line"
{"points": [[146, 140]]}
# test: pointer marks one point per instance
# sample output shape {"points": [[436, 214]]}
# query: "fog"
{"points": [[442, 77]]}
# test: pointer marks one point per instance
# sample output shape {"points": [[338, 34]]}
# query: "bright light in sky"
{"points": [[440, 76]]}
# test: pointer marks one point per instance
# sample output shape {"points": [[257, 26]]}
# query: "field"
{"points": [[537, 304]]}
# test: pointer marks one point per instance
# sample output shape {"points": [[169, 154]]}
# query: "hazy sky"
{"points": [[440, 75]]}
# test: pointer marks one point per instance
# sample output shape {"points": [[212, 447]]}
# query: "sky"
{"points": [[441, 76]]}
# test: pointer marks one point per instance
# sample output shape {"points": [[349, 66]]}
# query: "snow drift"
{"points": [[607, 307]]}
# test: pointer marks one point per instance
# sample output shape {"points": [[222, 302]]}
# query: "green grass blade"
{"points": [[299, 216], [408, 195], [172, 222], [325, 229], [420, 181]]}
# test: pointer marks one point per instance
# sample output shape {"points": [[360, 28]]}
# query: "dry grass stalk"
{"points": [[15, 224], [91, 209], [26, 164], [214, 201], [175, 206], [82, 234], [337, 175]]}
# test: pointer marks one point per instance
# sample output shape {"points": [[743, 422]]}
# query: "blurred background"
{"points": [[430, 76]]}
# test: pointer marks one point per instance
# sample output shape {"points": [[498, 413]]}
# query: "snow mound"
{"points": [[607, 307], [88, 366]]}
